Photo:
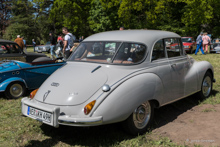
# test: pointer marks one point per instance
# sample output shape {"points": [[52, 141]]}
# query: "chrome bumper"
{"points": [[71, 120], [74, 121]]}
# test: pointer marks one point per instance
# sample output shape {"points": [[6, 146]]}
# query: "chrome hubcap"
{"points": [[16, 90], [141, 115], [206, 86]]}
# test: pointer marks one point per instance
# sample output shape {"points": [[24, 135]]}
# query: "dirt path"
{"points": [[190, 124]]}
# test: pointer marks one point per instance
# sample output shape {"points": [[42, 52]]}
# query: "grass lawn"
{"points": [[17, 130]]}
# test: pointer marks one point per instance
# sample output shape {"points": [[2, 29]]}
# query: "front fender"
{"points": [[127, 96], [5, 83]]}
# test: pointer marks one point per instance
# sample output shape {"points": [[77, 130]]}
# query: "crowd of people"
{"points": [[60, 47], [202, 41], [64, 44]]}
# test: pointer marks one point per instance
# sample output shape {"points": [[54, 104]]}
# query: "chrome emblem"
{"points": [[45, 95], [55, 84]]}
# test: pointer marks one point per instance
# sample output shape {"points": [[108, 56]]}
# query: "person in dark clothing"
{"points": [[52, 45], [34, 44]]}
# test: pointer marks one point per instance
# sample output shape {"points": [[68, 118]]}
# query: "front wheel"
{"points": [[139, 121], [15, 90], [206, 87]]}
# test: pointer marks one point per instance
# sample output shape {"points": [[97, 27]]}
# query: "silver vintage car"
{"points": [[119, 76]]}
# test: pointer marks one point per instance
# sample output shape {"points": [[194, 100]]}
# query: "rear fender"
{"points": [[202, 68], [127, 96], [5, 83]]}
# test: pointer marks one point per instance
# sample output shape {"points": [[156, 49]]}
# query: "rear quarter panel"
{"points": [[127, 96]]}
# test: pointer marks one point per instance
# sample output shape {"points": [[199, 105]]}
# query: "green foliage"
{"points": [[71, 14], [29, 20], [102, 17], [36, 18]]}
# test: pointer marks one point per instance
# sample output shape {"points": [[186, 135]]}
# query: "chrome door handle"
{"points": [[173, 65]]}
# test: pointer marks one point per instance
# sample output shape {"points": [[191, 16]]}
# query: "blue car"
{"points": [[16, 77]]}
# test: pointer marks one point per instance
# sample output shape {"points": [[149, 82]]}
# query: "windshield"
{"points": [[186, 39], [109, 52]]}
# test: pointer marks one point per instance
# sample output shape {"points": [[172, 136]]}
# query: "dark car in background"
{"points": [[10, 50], [43, 48]]}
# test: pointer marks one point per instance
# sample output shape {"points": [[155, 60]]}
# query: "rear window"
{"points": [[109, 52]]}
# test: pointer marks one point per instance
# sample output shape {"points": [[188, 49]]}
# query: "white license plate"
{"points": [[44, 116]]}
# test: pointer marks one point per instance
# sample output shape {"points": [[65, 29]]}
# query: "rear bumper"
{"points": [[77, 121], [57, 119]]}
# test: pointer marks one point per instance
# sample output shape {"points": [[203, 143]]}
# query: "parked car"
{"points": [[43, 48], [122, 87], [188, 43], [215, 46], [16, 77], [10, 50]]}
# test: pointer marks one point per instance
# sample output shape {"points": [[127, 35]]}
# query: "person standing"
{"points": [[199, 44], [59, 45], [205, 41], [34, 44], [19, 41], [52, 45], [81, 38], [68, 42], [24, 42]]}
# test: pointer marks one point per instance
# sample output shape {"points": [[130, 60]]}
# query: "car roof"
{"points": [[6, 41], [144, 36]]}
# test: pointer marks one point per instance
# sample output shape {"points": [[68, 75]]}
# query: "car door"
{"points": [[178, 68], [11, 52], [160, 60]]}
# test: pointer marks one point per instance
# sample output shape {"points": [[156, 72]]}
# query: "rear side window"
{"points": [[130, 53], [175, 49], [158, 50]]}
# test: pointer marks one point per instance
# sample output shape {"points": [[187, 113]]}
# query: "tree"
{"points": [[197, 16], [29, 19], [5, 11], [72, 14], [103, 17]]}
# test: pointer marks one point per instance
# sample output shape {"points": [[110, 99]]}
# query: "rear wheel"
{"points": [[139, 121], [206, 87], [15, 90]]}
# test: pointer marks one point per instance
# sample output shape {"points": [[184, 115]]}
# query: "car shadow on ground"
{"points": [[170, 112], [110, 135]]}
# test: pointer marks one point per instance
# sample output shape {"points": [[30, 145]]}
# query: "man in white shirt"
{"points": [[68, 42]]}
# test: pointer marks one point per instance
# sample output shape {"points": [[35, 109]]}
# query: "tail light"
{"points": [[32, 94], [89, 107]]}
